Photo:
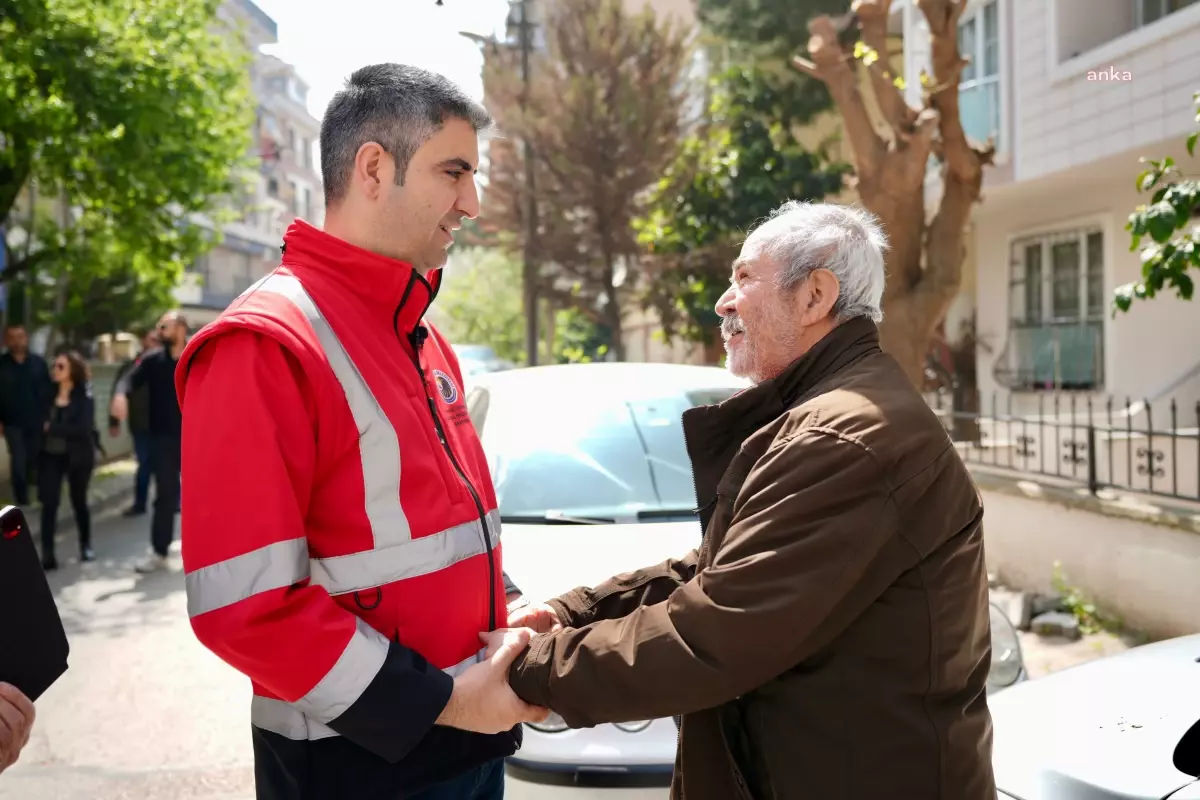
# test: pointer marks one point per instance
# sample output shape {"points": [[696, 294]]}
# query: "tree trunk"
{"points": [[924, 258]]}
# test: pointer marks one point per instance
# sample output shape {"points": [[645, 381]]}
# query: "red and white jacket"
{"points": [[341, 541]]}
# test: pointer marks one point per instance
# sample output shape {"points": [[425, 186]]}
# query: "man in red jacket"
{"points": [[341, 539]]}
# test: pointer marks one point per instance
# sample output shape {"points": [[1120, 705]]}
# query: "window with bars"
{"points": [[1056, 310], [1148, 11], [979, 87]]}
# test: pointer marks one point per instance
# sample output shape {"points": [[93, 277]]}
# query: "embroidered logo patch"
{"points": [[446, 387]]}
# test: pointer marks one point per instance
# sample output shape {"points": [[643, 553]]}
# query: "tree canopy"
{"points": [[602, 116], [138, 113], [1172, 222], [732, 172]]}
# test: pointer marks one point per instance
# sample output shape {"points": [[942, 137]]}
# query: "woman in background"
{"points": [[69, 451]]}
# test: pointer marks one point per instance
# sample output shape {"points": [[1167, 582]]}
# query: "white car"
{"points": [[593, 479], [1120, 727]]}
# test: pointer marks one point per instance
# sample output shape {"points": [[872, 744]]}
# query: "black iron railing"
{"points": [[1098, 444]]}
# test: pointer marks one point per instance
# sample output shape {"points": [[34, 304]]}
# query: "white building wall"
{"points": [[1065, 119]]}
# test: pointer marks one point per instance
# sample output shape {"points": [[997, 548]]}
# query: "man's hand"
{"points": [[496, 639], [482, 700], [539, 617], [16, 721], [119, 408]]}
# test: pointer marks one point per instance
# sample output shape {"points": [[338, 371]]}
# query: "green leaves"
{"points": [[727, 176], [1172, 221], [139, 112]]}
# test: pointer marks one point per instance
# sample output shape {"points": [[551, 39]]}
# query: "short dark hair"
{"points": [[396, 106]]}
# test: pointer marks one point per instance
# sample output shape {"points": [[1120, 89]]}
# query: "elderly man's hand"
{"points": [[540, 617], [482, 701], [497, 639], [16, 722]]}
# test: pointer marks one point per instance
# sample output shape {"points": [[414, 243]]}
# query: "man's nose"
{"points": [[724, 305], [468, 200]]}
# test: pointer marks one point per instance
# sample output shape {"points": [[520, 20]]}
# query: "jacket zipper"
{"points": [[418, 339]]}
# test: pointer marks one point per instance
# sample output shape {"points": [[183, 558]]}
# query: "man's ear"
{"points": [[371, 162], [818, 296]]}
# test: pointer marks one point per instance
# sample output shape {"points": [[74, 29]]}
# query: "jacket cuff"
{"points": [[398, 707], [570, 608], [529, 674]]}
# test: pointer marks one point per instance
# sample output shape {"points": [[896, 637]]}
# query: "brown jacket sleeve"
{"points": [[812, 542], [622, 594]]}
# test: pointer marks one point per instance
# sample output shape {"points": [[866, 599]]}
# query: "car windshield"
{"points": [[594, 456]]}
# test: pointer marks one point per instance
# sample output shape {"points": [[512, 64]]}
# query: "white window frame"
{"points": [[1139, 11], [1114, 51], [975, 13], [1081, 227]]}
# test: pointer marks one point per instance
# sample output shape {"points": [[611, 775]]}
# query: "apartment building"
{"points": [[284, 186], [1074, 93]]}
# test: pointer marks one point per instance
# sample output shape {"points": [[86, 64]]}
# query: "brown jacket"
{"points": [[830, 640]]}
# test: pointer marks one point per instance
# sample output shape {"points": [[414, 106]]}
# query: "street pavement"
{"points": [[145, 712]]}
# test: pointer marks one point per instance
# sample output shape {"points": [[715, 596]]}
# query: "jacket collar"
{"points": [[715, 432], [386, 286]]}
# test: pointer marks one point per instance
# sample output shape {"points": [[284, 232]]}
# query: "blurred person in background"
{"points": [[26, 392], [156, 372], [68, 451], [138, 421]]}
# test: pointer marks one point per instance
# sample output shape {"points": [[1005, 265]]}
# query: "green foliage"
{"points": [[137, 111], [1091, 620], [1171, 222], [733, 172], [771, 28], [579, 340], [480, 301]]}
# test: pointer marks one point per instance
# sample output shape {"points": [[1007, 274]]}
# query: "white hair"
{"points": [[846, 240]]}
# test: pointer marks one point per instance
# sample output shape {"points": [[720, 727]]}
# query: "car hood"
{"points": [[548, 560], [1105, 729]]}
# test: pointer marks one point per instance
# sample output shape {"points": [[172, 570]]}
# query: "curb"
{"points": [[107, 493]]}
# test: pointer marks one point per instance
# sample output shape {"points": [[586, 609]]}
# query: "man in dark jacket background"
{"points": [[138, 421], [830, 637], [26, 392]]}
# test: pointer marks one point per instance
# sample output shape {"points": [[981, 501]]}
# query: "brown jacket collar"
{"points": [[715, 432]]}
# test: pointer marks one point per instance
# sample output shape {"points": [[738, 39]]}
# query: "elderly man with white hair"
{"points": [[829, 639]]}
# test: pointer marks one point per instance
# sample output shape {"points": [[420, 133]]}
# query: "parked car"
{"points": [[477, 359], [593, 479], [1119, 727]]}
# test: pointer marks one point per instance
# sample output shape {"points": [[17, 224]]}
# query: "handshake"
{"points": [[482, 701]]}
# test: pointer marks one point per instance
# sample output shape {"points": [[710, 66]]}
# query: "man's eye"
{"points": [[453, 173]]}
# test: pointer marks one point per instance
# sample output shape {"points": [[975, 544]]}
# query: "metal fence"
{"points": [[1131, 445]]}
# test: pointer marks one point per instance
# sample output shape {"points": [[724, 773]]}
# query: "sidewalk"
{"points": [[111, 488]]}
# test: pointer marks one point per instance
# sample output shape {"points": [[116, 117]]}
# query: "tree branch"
{"points": [[963, 163], [830, 64], [873, 21], [16, 269], [962, 177]]}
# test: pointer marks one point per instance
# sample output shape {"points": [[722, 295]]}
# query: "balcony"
{"points": [[1087, 35]]}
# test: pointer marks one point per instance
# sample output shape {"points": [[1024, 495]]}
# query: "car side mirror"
{"points": [[1187, 752], [1008, 665]]}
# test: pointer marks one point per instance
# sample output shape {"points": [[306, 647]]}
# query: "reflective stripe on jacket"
{"points": [[340, 533]]}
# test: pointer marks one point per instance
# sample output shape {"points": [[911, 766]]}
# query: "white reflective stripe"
{"points": [[286, 720], [379, 447], [357, 666], [230, 581], [420, 556], [461, 667], [292, 723]]}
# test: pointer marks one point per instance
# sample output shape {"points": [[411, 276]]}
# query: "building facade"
{"points": [[286, 184], [1074, 92]]}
